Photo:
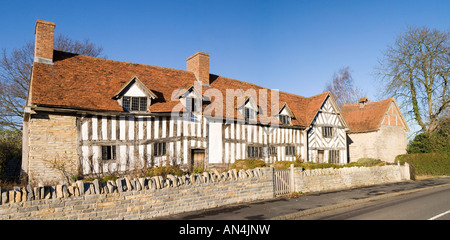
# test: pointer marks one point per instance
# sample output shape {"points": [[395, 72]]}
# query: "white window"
{"points": [[249, 113], [193, 104]]}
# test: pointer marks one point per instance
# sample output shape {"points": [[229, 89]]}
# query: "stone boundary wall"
{"points": [[341, 178], [146, 198], [142, 198]]}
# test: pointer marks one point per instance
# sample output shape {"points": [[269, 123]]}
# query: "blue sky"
{"points": [[293, 46]]}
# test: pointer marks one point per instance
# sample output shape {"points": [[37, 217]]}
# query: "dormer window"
{"points": [[249, 109], [134, 103], [285, 119], [135, 96], [191, 99], [285, 115], [193, 104], [250, 114]]}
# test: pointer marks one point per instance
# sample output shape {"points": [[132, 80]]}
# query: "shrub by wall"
{"points": [[426, 163], [247, 164]]}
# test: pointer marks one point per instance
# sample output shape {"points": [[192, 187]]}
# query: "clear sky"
{"points": [[293, 46]]}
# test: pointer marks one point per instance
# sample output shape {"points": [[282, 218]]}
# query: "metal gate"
{"points": [[282, 181]]}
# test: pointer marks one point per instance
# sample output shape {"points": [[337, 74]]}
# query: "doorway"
{"points": [[320, 154], [198, 158]]}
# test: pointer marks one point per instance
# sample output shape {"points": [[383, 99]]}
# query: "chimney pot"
{"points": [[44, 40], [199, 65]]}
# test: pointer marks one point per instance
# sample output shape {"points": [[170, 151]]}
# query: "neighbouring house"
{"points": [[377, 130], [86, 115]]}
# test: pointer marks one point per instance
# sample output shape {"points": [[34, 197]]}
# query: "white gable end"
{"points": [[284, 112], [135, 91]]}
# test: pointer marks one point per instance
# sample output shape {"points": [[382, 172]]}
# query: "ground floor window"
{"points": [[254, 152], [159, 149], [333, 156], [108, 152], [272, 151], [290, 150]]}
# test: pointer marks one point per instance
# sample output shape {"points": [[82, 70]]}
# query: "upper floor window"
{"points": [[135, 96], [327, 132], [135, 103], [250, 114], [193, 104], [285, 119], [285, 115]]}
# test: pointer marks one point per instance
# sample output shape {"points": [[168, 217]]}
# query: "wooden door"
{"points": [[198, 158], [320, 154]]}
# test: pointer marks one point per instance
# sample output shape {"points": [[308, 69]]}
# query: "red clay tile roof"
{"points": [[367, 118], [89, 83]]}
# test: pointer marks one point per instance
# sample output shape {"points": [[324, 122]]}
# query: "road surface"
{"points": [[433, 204]]}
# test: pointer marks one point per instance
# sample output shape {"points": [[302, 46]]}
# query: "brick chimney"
{"points": [[363, 101], [199, 64], [44, 37]]}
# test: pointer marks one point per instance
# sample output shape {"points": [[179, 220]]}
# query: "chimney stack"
{"points": [[199, 64], [363, 101], [44, 38]]}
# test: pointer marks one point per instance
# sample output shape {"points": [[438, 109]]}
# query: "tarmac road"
{"points": [[429, 204], [312, 203]]}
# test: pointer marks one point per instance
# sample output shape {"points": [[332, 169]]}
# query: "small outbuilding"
{"points": [[377, 130]]}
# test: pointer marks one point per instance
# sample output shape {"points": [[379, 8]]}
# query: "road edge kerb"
{"points": [[291, 216]]}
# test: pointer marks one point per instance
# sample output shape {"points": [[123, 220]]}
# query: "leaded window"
{"points": [[135, 103]]}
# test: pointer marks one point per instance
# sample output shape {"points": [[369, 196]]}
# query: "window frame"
{"points": [[333, 156], [327, 131], [254, 152], [111, 152], [159, 149], [129, 104], [193, 104], [290, 150], [285, 119], [249, 113], [272, 150]]}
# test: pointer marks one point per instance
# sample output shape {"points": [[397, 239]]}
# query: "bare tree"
{"points": [[342, 88], [15, 73], [416, 70]]}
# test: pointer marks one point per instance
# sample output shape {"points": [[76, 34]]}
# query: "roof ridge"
{"points": [[370, 103], [123, 62]]}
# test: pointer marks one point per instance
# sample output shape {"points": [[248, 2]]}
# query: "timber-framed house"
{"points": [[88, 115]]}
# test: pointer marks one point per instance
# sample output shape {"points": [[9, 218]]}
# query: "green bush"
{"points": [[369, 162], [362, 162], [247, 164], [287, 164], [164, 170], [436, 164]]}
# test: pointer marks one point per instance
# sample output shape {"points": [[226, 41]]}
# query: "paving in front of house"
{"points": [[286, 208]]}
